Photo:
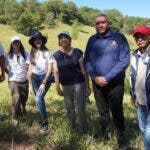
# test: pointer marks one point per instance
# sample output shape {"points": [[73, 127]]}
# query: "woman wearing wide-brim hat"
{"points": [[41, 60]]}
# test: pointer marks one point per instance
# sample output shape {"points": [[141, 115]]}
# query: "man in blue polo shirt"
{"points": [[106, 58]]}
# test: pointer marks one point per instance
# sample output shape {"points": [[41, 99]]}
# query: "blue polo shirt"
{"points": [[107, 55], [69, 67]]}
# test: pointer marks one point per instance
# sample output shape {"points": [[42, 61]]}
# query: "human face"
{"points": [[101, 24], [37, 42], [64, 41], [141, 41], [16, 45]]}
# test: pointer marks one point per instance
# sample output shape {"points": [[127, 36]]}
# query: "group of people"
{"points": [[106, 58]]}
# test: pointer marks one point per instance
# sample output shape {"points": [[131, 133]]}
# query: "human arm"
{"points": [[2, 64], [132, 77], [83, 69], [56, 77], [46, 78], [29, 76], [88, 60]]}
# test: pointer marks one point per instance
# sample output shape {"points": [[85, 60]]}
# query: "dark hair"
{"points": [[22, 51], [102, 15], [34, 51]]}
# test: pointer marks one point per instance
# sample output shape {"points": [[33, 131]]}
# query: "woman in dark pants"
{"points": [[74, 81], [16, 62]]}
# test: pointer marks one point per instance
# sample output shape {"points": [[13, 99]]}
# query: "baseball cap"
{"points": [[64, 33], [15, 38], [141, 29]]}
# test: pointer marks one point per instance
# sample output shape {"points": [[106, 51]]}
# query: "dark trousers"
{"points": [[19, 92], [75, 100], [110, 98]]}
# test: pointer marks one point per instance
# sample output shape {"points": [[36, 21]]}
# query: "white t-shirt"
{"points": [[1, 50], [17, 67], [42, 59]]}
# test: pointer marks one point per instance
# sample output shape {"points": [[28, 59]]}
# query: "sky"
{"points": [[137, 8]]}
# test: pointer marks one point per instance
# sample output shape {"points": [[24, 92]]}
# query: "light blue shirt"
{"points": [[1, 50]]}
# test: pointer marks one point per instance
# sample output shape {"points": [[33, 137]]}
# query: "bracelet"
{"points": [[44, 83]]}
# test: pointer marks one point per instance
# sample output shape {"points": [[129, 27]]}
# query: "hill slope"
{"points": [[7, 32]]}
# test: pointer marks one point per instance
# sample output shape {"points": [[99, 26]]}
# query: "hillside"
{"points": [[7, 32]]}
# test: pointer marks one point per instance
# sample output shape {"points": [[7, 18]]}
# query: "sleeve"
{"points": [[124, 58], [27, 58], [49, 57], [78, 53], [6, 60], [1, 50], [88, 61], [132, 77]]}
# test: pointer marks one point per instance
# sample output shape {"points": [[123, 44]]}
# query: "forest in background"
{"points": [[27, 16]]}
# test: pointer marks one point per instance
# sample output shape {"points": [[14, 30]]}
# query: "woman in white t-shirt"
{"points": [[41, 60], [16, 63]]}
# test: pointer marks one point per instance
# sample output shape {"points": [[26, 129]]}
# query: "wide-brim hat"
{"points": [[37, 35], [64, 33], [141, 29]]}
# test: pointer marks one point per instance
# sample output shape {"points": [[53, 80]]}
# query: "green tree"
{"points": [[116, 19], [69, 13], [27, 23], [54, 6], [76, 26], [87, 15]]}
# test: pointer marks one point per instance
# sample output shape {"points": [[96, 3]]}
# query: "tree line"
{"points": [[27, 16]]}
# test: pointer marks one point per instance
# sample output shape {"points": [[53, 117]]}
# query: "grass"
{"points": [[26, 135], [59, 137]]}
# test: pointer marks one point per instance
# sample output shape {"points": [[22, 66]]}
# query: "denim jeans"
{"points": [[75, 100], [144, 124], [39, 97]]}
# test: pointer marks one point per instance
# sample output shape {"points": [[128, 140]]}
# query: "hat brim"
{"points": [[63, 34], [135, 33], [43, 38]]}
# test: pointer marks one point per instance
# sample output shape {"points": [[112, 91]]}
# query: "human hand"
{"points": [[31, 89], [101, 81], [42, 88], [134, 103], [2, 78], [88, 92], [59, 91]]}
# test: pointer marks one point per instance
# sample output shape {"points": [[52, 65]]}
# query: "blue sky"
{"points": [[140, 8]]}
